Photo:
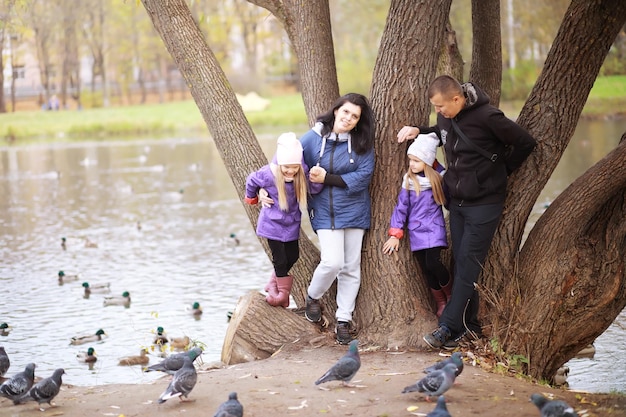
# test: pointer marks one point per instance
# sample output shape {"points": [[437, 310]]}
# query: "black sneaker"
{"points": [[438, 337], [313, 310], [465, 336], [343, 333]]}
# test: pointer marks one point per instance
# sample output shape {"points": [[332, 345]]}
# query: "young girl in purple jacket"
{"points": [[285, 180], [419, 210]]}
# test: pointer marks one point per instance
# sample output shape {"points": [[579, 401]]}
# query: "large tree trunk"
{"points": [[551, 114], [309, 31], [486, 68], [393, 307]]}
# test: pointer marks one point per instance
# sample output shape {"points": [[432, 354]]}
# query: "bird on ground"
{"points": [[456, 358], [45, 390], [435, 383], [440, 410], [80, 340], [345, 368], [19, 384], [552, 408], [160, 338], [103, 288], [230, 408], [183, 382], [87, 357], [118, 300], [63, 277], [141, 359], [5, 329], [174, 362], [5, 363]]}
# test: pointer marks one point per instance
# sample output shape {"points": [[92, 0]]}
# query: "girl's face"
{"points": [[289, 171], [415, 164], [346, 117]]}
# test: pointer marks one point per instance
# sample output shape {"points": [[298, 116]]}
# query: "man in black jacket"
{"points": [[482, 147]]}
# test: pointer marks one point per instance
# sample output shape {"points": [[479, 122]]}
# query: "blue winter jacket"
{"points": [[338, 207]]}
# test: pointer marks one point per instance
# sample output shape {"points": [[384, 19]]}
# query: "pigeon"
{"points": [[230, 408], [173, 363], [18, 384], [435, 383], [4, 361], [345, 368], [456, 358], [440, 410], [44, 391], [552, 408], [183, 382]]}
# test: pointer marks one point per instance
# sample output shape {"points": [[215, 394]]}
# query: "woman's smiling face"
{"points": [[346, 117]]}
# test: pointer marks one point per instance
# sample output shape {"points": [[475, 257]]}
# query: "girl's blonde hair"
{"points": [[436, 183], [299, 186]]}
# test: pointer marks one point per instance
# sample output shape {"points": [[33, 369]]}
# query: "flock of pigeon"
{"points": [[440, 377]]}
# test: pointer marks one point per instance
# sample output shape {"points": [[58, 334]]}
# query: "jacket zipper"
{"points": [[330, 191]]}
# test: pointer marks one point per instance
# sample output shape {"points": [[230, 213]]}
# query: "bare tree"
{"points": [[393, 306]]}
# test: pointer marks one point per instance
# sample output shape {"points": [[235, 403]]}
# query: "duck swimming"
{"points": [[118, 300], [195, 309], [103, 288], [160, 338], [79, 340], [63, 277], [5, 329], [141, 359], [87, 357]]}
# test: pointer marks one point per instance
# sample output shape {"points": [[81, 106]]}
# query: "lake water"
{"points": [[178, 192]]}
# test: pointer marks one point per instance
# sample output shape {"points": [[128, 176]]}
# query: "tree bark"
{"points": [[310, 33], [550, 114], [394, 306], [257, 330], [486, 67]]}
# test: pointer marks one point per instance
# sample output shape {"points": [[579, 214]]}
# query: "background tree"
{"points": [[392, 309]]}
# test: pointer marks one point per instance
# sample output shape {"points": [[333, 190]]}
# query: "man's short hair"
{"points": [[445, 85]]}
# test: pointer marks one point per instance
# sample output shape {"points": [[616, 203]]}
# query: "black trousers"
{"points": [[434, 270], [471, 229], [284, 255]]}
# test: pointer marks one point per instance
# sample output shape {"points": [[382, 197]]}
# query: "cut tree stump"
{"points": [[257, 330]]}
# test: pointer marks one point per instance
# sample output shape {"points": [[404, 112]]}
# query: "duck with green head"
{"points": [[5, 329], [103, 288], [96, 337], [63, 277], [87, 357], [160, 338], [118, 300], [196, 309]]}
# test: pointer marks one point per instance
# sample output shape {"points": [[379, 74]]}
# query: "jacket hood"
{"points": [[474, 95]]}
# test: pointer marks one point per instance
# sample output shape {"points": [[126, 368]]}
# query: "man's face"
{"points": [[447, 107]]}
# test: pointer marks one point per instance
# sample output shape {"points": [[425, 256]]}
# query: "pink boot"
{"points": [[271, 287], [284, 289], [440, 300], [447, 289]]}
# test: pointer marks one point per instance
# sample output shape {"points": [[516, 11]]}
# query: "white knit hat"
{"points": [[424, 147], [288, 149]]}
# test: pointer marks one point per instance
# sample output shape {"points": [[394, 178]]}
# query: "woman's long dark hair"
{"points": [[362, 135]]}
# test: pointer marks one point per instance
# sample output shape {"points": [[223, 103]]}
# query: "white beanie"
{"points": [[288, 150], [424, 147]]}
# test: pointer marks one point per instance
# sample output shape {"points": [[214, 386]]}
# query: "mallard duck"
{"points": [[141, 359], [79, 340], [87, 357], [160, 338], [180, 343], [118, 300], [195, 309], [103, 288], [234, 240], [63, 277], [5, 329]]}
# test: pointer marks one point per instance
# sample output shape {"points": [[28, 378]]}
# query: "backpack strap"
{"points": [[493, 157]]}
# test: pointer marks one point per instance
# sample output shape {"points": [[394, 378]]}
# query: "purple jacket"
{"points": [[274, 223], [422, 217]]}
